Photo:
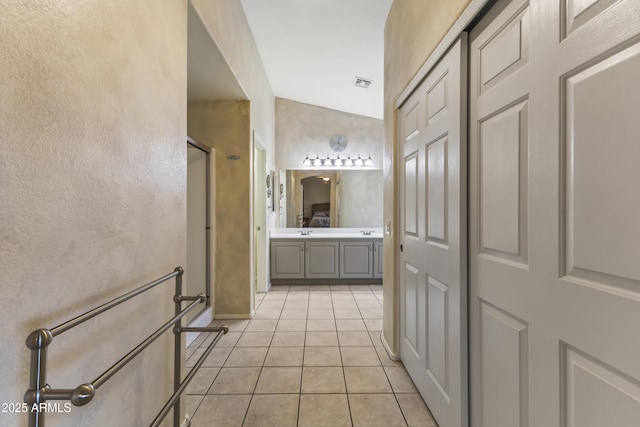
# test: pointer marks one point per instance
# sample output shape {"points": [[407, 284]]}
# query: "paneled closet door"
{"points": [[433, 300], [554, 237]]}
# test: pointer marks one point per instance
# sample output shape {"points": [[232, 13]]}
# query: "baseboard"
{"points": [[324, 282], [235, 316], [200, 322], [393, 356]]}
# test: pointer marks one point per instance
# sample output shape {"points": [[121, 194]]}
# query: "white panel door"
{"points": [[554, 235], [433, 300]]}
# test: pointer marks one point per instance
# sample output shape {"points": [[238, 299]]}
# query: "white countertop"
{"points": [[326, 233]]}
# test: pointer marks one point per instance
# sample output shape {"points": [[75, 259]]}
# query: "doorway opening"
{"points": [[261, 184], [198, 223]]}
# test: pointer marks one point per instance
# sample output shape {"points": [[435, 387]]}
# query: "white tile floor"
{"points": [[311, 356]]}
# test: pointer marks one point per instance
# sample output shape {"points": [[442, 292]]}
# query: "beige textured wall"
{"points": [[413, 30], [92, 194], [304, 129], [227, 24], [224, 125]]}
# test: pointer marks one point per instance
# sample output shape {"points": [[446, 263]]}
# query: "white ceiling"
{"points": [[313, 50]]}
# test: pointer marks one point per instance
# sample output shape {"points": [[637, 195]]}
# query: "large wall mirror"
{"points": [[331, 198]]}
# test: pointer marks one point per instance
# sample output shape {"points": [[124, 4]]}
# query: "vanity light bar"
{"points": [[337, 161]]}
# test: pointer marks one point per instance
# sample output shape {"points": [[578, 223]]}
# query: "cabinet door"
{"points": [[378, 260], [321, 260], [356, 260], [287, 260]]}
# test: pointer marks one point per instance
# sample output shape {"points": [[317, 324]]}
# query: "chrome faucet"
{"points": [[304, 233], [366, 232]]}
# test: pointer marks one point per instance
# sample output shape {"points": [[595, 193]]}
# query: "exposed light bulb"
{"points": [[337, 161]]}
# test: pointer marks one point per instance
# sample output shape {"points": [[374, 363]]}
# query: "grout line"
{"points": [[304, 342], [304, 347], [191, 416], [254, 388], [214, 380]]}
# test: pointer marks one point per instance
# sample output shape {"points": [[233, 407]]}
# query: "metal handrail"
{"points": [[114, 302], [183, 385], [38, 341]]}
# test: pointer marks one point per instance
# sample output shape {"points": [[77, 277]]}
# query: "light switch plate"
{"points": [[387, 228]]}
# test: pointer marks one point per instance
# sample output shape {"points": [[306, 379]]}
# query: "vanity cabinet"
{"points": [[356, 260], [300, 260], [313, 258]]}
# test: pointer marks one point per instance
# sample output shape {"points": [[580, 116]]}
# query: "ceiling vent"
{"points": [[362, 82]]}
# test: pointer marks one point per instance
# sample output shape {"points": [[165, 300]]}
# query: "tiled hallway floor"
{"points": [[311, 356]]}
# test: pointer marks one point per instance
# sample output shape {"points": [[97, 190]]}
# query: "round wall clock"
{"points": [[338, 142]]}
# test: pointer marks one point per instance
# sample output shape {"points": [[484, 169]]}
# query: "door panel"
{"points": [[437, 326], [503, 148], [591, 386], [436, 196], [576, 13], [433, 235], [598, 242], [436, 99], [411, 195], [411, 305], [504, 390], [554, 239], [505, 51]]}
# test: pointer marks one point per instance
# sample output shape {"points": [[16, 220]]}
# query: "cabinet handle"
{"points": [[370, 247]]}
